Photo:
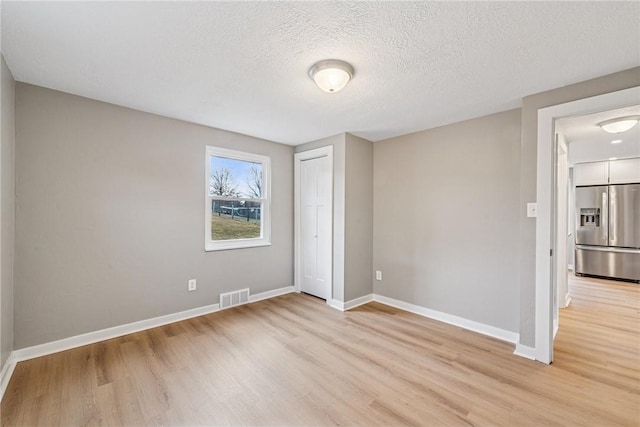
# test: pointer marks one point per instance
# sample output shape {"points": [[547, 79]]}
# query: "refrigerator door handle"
{"points": [[604, 225], [612, 223]]}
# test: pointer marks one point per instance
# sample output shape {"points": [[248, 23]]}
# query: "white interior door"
{"points": [[315, 226]]}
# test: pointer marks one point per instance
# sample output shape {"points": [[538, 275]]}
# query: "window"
{"points": [[237, 200]]}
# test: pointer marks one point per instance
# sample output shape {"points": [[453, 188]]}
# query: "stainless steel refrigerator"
{"points": [[608, 231]]}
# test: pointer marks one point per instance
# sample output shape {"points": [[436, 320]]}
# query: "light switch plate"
{"points": [[532, 210]]}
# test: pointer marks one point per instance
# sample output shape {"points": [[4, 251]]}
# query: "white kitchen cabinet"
{"points": [[595, 173], [624, 171]]}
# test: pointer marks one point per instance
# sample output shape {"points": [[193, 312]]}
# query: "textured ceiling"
{"points": [[242, 66]]}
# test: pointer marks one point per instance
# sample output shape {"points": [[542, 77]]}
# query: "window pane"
{"points": [[235, 178], [237, 205], [235, 219]]}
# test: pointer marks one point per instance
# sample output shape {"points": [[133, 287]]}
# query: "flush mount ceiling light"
{"points": [[620, 124], [331, 75]]}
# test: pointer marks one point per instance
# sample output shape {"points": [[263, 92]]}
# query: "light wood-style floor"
{"points": [[292, 360]]}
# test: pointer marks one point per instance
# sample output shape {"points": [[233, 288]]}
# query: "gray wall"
{"points": [[358, 218], [7, 209], [528, 173], [446, 219], [110, 217]]}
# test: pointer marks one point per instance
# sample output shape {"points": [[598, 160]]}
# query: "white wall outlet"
{"points": [[191, 286], [378, 275], [532, 210]]}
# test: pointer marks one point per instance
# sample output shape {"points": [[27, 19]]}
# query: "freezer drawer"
{"points": [[608, 262]]}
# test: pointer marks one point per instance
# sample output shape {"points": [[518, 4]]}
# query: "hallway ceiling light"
{"points": [[331, 75], [620, 124]]}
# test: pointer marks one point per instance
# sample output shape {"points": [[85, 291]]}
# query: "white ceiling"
{"points": [[589, 143], [242, 66]]}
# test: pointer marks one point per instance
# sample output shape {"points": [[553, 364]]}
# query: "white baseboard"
{"points": [[461, 322], [7, 371], [271, 294], [567, 300], [118, 331], [109, 333], [358, 302], [570, 267], [334, 303], [344, 306], [525, 351]]}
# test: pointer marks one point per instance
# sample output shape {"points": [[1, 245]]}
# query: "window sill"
{"points": [[235, 245]]}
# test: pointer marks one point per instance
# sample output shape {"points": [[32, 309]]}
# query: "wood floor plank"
{"points": [[293, 360]]}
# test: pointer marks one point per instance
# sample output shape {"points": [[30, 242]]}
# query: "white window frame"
{"points": [[265, 214]]}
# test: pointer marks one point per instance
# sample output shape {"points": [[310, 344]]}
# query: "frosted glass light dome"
{"points": [[331, 75], [619, 125]]}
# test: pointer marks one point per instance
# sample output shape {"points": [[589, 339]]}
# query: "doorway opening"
{"points": [[584, 151], [546, 195]]}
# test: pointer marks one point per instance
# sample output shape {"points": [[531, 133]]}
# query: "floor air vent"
{"points": [[231, 299]]}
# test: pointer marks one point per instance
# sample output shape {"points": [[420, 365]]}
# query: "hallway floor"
{"points": [[599, 334]]}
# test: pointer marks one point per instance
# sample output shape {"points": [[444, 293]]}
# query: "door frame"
{"points": [[562, 222], [545, 195], [298, 158]]}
